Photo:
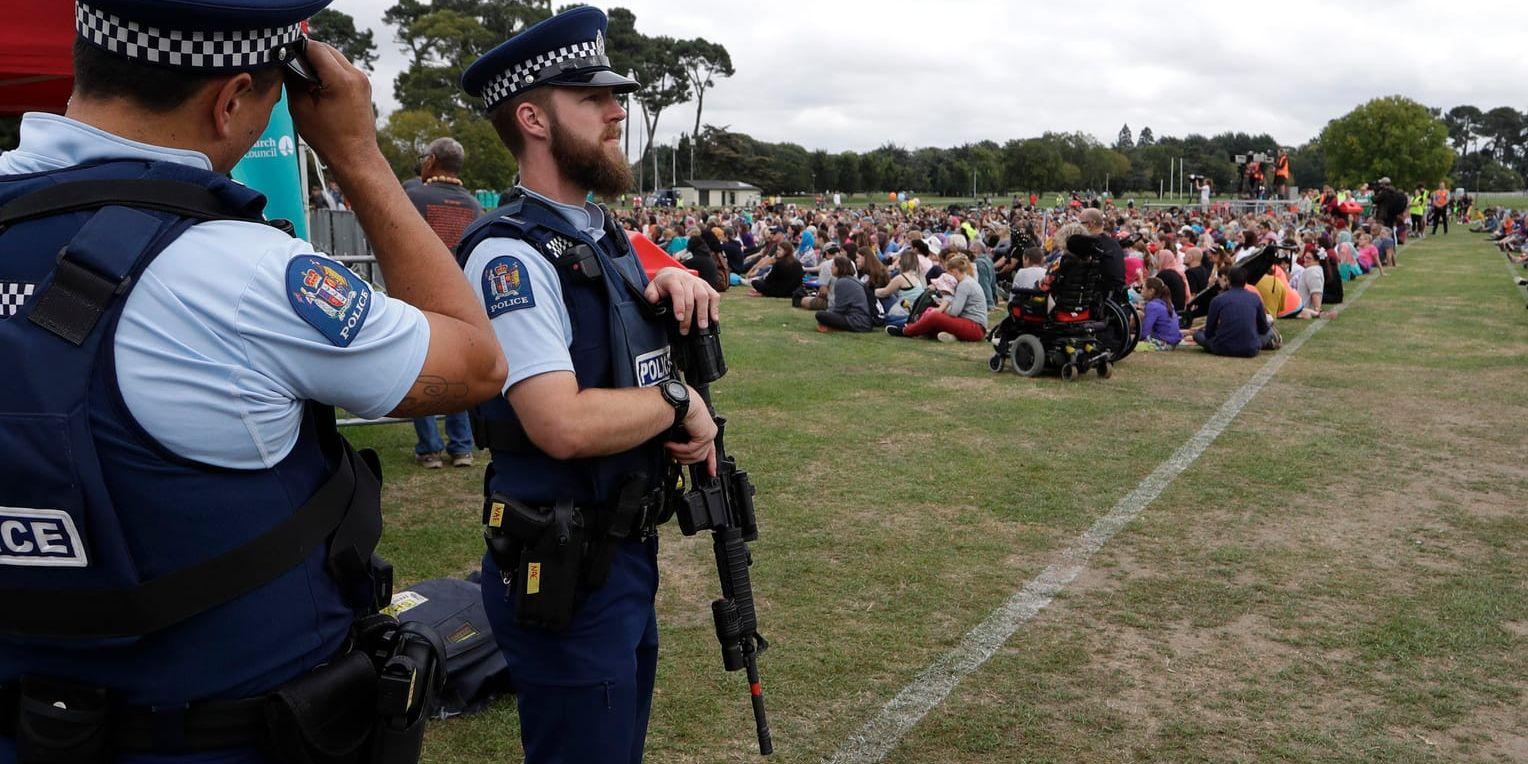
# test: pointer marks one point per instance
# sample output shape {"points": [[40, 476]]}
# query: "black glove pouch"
{"points": [[325, 716]]}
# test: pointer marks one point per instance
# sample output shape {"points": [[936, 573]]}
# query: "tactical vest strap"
{"points": [[93, 268], [176, 596], [188, 200]]}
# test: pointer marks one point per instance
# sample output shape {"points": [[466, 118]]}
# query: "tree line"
{"points": [[442, 38], [1392, 136]]}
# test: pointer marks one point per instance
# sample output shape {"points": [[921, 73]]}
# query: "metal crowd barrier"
{"points": [[1256, 206], [337, 233]]}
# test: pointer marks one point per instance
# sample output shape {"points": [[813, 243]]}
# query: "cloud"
{"points": [[857, 74]]}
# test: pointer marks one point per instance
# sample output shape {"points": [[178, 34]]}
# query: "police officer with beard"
{"points": [[184, 536], [591, 416]]}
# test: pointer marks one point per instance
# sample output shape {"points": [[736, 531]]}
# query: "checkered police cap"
{"points": [[567, 49], [544, 66], [236, 39]]}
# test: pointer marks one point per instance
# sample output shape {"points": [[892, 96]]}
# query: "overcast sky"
{"points": [[855, 74]]}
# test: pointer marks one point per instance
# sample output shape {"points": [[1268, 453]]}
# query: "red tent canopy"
{"points": [[653, 258], [36, 66]]}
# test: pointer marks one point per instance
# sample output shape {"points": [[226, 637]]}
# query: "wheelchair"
{"points": [[1083, 331]]}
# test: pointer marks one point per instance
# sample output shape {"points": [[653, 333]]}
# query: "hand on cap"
{"points": [[337, 119]]}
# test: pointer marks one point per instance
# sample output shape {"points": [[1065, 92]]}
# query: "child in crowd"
{"points": [[1029, 276], [1159, 325]]}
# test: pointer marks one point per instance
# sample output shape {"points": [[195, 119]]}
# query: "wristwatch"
{"points": [[676, 394]]}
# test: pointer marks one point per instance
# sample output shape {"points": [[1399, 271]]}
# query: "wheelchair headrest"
{"points": [[1084, 246]]}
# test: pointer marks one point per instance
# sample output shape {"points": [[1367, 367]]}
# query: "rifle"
{"points": [[722, 504]]}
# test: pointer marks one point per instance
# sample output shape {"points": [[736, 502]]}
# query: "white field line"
{"points": [[882, 734]]}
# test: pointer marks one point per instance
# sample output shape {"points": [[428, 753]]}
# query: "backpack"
{"points": [[923, 303], [476, 672], [877, 309]]}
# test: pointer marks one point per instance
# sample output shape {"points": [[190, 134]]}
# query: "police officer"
{"points": [[182, 530], [591, 416]]}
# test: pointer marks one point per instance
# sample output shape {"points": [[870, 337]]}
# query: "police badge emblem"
{"points": [[329, 296], [506, 287]]}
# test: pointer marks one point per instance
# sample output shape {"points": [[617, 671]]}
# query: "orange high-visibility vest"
{"points": [[1440, 198], [1282, 170]]}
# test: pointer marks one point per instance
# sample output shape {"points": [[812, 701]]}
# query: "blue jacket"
{"points": [[1161, 324], [1236, 324]]}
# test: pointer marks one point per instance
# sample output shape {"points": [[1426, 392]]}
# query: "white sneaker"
{"points": [[946, 337]]}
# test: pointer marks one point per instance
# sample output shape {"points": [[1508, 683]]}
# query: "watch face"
{"points": [[676, 390]]}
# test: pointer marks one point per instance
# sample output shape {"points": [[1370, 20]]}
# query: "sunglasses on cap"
{"points": [[295, 65]]}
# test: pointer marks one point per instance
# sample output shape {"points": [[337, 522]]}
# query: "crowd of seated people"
{"points": [[925, 272]]}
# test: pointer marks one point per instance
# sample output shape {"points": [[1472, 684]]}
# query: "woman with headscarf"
{"points": [[1170, 270]]}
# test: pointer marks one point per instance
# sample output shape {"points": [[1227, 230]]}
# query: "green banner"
{"points": [[271, 167]]}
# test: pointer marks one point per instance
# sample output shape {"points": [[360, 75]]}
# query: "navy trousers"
{"points": [[585, 694]]}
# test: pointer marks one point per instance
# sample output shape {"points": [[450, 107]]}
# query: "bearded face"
{"points": [[597, 164]]}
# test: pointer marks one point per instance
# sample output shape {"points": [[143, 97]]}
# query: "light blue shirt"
{"points": [[212, 358], [535, 338]]}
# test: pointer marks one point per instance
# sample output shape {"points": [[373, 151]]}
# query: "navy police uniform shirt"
{"points": [[235, 325], [520, 290]]}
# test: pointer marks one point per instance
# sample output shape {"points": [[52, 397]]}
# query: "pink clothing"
{"points": [[1167, 260], [1133, 267], [1367, 256]]}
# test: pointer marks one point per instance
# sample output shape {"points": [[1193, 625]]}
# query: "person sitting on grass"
{"points": [[1159, 325], [962, 316], [1347, 262], [1278, 298], [1311, 286], [783, 276], [851, 306], [903, 288], [698, 256], [822, 299], [1237, 324], [1368, 255], [1196, 273], [1170, 271]]}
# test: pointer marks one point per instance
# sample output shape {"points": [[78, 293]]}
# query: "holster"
{"points": [[545, 549], [408, 683], [550, 557]]}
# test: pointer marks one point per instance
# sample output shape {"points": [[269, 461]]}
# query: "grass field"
{"points": [[1340, 577]]}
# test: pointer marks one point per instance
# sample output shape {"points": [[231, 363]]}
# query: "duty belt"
{"points": [[202, 726]]}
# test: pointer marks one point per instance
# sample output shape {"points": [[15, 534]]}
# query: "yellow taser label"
{"points": [[532, 577], [496, 515]]}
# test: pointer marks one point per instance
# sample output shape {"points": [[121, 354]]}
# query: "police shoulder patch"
{"points": [[329, 296], [506, 286]]}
